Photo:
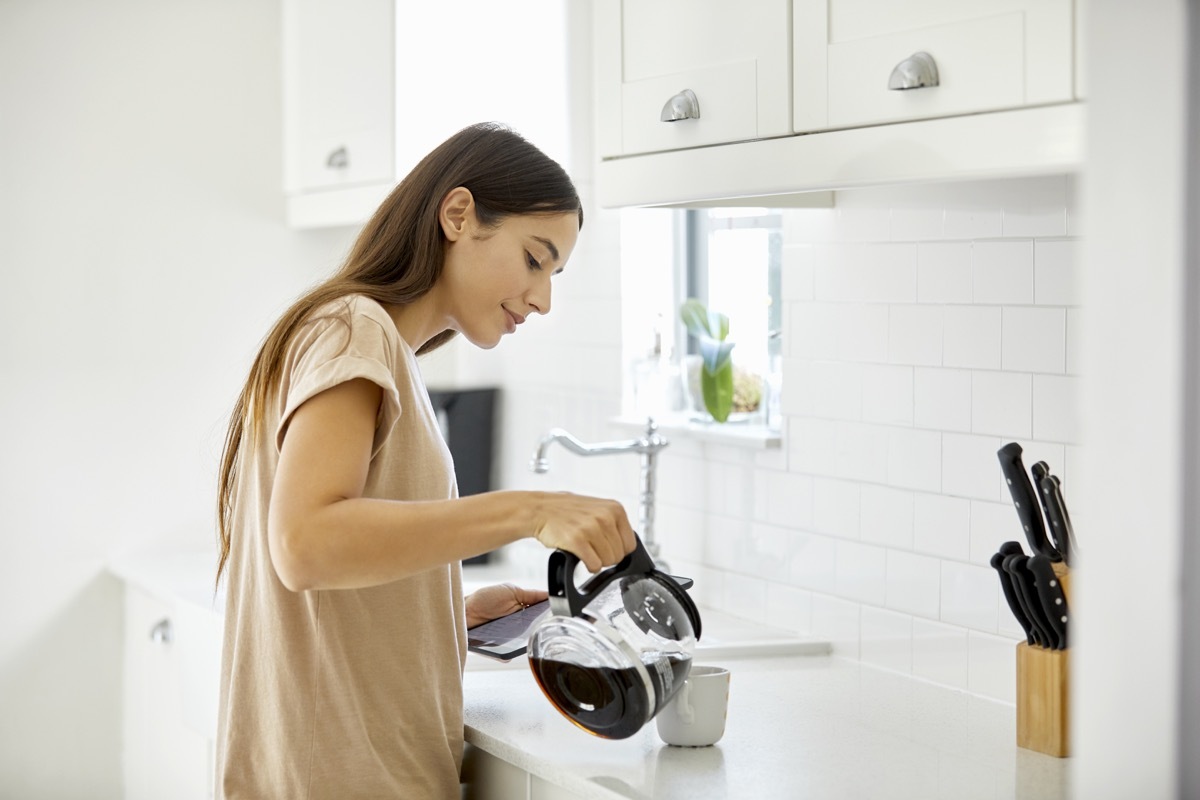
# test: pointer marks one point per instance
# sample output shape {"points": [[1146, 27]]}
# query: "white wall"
{"points": [[143, 254]]}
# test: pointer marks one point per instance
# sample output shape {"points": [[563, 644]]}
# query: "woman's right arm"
{"points": [[323, 534]]}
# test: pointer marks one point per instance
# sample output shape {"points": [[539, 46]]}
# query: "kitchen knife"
{"points": [[1068, 528], [1027, 505], [1010, 594], [1050, 592], [1060, 526], [1022, 578], [1014, 548], [1040, 470]]}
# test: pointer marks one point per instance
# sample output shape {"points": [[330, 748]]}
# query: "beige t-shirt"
{"points": [[343, 693]]}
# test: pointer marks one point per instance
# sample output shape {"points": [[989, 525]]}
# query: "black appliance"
{"points": [[467, 418]]}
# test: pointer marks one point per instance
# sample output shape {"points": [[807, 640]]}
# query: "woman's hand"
{"points": [[500, 600], [595, 529]]}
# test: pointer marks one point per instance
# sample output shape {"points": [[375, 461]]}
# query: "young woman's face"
{"points": [[495, 278]]}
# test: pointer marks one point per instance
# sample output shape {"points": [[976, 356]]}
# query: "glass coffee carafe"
{"points": [[616, 649]]}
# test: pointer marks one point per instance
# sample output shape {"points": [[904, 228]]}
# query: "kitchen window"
{"points": [[729, 259]]}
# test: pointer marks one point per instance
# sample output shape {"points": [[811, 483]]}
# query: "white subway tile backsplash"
{"points": [[913, 583], [861, 224], [970, 468], [1074, 326], [939, 653], [992, 667], [838, 621], [866, 273], [887, 394], [837, 388], [914, 459], [1037, 207], [862, 332], [942, 399], [1055, 403], [783, 498], [814, 564], [887, 516], [924, 327], [942, 526], [745, 596], [1035, 340], [915, 335], [860, 572], [1002, 403], [1002, 272], [797, 270], [993, 524], [969, 596], [789, 608], [969, 220], [971, 337], [836, 509], [917, 223], [886, 639], [944, 272], [1055, 282]]}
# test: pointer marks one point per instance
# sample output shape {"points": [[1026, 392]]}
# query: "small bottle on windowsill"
{"points": [[657, 389]]}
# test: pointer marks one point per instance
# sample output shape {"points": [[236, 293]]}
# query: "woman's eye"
{"points": [[533, 264]]}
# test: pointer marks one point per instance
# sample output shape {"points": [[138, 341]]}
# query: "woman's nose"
{"points": [[539, 297]]}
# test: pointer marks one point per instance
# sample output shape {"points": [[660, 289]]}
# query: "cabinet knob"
{"points": [[162, 632], [915, 72], [338, 159], [680, 107]]}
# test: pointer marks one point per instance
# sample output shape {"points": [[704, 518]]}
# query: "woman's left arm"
{"points": [[492, 602]]}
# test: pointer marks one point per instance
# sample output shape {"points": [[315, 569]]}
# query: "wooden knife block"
{"points": [[1043, 692]]}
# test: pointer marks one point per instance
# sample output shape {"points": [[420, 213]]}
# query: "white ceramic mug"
{"points": [[695, 717]]}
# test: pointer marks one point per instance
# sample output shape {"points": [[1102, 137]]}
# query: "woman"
{"points": [[341, 530]]}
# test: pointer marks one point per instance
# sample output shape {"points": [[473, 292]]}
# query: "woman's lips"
{"points": [[513, 320]]}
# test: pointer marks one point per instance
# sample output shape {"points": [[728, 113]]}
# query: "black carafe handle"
{"points": [[567, 599]]}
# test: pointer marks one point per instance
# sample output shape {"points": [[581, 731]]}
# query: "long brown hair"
{"points": [[398, 257]]}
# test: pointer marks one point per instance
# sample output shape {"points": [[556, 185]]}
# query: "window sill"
{"points": [[749, 434]]}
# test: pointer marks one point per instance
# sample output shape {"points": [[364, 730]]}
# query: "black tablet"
{"points": [[507, 637]]}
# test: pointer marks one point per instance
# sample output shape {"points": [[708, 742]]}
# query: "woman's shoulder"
{"points": [[357, 321]]}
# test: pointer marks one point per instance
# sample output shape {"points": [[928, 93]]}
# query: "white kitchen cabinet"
{"points": [[371, 86], [989, 55], [162, 755], [733, 57], [1007, 103]]}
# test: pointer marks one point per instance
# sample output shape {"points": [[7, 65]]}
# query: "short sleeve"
{"points": [[340, 343]]}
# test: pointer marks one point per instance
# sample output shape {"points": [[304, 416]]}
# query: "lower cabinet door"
{"points": [[541, 789], [163, 757], [486, 777]]}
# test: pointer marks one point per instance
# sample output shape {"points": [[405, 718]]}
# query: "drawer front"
{"points": [[984, 64], [727, 98], [348, 159]]}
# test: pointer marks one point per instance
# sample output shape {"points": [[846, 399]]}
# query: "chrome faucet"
{"points": [[646, 446]]}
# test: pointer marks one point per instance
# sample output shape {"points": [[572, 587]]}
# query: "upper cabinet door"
{"points": [[851, 57], [338, 72], [722, 68]]}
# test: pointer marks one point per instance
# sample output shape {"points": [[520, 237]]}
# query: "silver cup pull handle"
{"points": [[162, 632], [918, 71], [338, 159], [680, 107]]}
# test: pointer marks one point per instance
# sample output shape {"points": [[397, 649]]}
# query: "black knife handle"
{"points": [[1015, 566], [1066, 515], [1010, 594], [1026, 502], [1055, 514], [1050, 592]]}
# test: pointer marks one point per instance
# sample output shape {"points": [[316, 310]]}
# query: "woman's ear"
{"points": [[457, 213]]}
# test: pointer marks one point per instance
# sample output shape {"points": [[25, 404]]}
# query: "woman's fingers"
{"points": [[594, 529]]}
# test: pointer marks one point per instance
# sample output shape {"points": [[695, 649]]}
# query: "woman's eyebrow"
{"points": [[549, 246]]}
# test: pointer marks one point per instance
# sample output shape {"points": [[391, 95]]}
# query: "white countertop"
{"points": [[798, 727]]}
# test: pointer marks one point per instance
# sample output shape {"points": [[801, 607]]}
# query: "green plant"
{"points": [[716, 374]]}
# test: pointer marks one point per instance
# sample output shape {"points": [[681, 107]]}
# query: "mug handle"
{"points": [[567, 600]]}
